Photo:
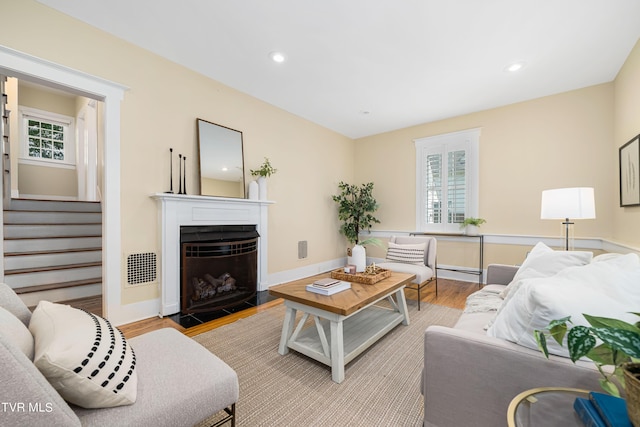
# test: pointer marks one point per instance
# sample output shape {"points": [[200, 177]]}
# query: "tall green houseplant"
{"points": [[355, 207]]}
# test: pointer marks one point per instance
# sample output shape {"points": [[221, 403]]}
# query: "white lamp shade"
{"points": [[574, 203]]}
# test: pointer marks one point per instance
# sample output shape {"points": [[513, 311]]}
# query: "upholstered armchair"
{"points": [[414, 255]]}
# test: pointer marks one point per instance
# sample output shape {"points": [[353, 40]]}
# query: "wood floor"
{"points": [[451, 293]]}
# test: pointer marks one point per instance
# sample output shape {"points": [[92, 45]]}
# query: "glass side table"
{"points": [[545, 407]]}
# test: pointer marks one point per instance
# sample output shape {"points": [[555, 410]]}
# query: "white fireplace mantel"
{"points": [[175, 210]]}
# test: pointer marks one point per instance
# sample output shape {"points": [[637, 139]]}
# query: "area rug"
{"points": [[381, 387]]}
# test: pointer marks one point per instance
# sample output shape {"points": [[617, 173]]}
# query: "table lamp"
{"points": [[566, 204]]}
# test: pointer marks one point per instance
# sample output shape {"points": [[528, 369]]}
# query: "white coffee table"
{"points": [[346, 323]]}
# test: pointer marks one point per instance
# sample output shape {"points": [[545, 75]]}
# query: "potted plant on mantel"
{"points": [[263, 172], [355, 207], [607, 342], [470, 225]]}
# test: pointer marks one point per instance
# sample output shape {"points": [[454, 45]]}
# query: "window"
{"points": [[447, 180], [47, 138]]}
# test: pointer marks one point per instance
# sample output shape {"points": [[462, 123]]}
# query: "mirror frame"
{"points": [[220, 148]]}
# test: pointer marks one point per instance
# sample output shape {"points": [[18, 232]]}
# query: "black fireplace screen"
{"points": [[218, 266]]}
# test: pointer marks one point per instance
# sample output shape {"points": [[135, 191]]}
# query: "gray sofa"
{"points": [[180, 383], [470, 378]]}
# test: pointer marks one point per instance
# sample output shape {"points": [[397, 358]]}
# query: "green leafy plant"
{"points": [[265, 170], [355, 207], [472, 221], [607, 342]]}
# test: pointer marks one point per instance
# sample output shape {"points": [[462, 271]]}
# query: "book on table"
{"points": [[326, 283], [588, 413], [612, 409], [341, 286]]}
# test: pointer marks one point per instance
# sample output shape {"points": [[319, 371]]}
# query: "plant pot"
{"points": [[632, 389], [471, 230], [358, 257]]}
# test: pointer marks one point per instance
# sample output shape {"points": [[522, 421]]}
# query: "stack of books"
{"points": [[328, 286], [602, 410]]}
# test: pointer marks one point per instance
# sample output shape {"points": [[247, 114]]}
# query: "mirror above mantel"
{"points": [[221, 160]]}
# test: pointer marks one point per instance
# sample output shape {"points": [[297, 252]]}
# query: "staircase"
{"points": [[53, 249]]}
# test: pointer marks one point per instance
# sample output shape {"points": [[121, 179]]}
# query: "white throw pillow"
{"points": [[15, 331], [543, 261], [607, 289], [85, 358], [406, 253]]}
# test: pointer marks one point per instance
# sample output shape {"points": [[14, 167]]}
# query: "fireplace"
{"points": [[218, 266]]}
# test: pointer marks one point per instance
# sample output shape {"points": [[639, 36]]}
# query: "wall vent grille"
{"points": [[141, 268]]}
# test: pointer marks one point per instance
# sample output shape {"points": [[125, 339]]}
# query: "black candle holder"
{"points": [[170, 171], [180, 174]]}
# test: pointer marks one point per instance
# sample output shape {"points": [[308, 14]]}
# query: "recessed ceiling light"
{"points": [[277, 57], [514, 67], [224, 169]]}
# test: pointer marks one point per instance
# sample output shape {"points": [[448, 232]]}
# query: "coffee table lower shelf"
{"points": [[335, 340]]}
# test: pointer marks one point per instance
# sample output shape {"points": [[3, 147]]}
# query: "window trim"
{"points": [[69, 144], [468, 140]]}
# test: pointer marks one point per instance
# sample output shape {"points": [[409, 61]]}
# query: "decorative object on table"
{"points": [[350, 269], [471, 225], [263, 172], [170, 171], [179, 173], [611, 409], [620, 345], [568, 203], [329, 290], [629, 160], [365, 279], [355, 205], [184, 176], [587, 413]]}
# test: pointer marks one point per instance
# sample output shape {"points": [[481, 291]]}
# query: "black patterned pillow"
{"points": [[408, 254], [85, 358]]}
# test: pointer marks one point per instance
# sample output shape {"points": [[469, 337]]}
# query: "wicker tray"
{"points": [[366, 279]]}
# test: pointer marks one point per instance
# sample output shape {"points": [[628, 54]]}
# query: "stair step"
{"points": [[51, 244], [62, 295], [50, 259], [23, 231], [53, 205], [63, 285], [21, 278], [37, 217]]}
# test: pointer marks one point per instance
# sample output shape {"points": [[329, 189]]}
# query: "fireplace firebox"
{"points": [[218, 266]]}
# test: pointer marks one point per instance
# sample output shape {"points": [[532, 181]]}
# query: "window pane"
{"points": [[48, 126], [433, 189], [34, 152], [58, 155], [46, 154], [47, 144], [58, 128], [45, 133], [58, 136], [456, 186], [34, 142], [58, 145]]}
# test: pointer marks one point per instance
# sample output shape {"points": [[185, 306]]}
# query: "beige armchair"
{"points": [[414, 255]]}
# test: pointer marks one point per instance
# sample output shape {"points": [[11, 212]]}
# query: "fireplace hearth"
{"points": [[218, 266]]}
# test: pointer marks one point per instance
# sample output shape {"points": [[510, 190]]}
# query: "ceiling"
{"points": [[363, 67]]}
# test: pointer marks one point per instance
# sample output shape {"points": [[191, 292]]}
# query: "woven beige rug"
{"points": [[381, 388]]}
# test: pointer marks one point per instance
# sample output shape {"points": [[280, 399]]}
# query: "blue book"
{"points": [[588, 413], [612, 409]]}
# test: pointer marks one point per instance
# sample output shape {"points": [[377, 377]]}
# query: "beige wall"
{"points": [[626, 221], [159, 111]]}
